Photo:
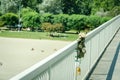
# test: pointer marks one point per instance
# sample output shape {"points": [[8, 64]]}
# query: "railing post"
{"points": [[49, 73]]}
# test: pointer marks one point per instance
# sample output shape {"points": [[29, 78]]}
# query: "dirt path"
{"points": [[17, 55]]}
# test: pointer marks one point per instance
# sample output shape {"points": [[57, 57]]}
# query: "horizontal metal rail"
{"points": [[52, 67]]}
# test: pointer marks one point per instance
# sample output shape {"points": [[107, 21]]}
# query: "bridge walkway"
{"points": [[108, 66]]}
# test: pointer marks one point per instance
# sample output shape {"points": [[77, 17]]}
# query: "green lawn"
{"points": [[37, 35]]}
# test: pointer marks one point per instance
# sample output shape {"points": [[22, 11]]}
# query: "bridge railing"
{"points": [[59, 66], [62, 65], [96, 42]]}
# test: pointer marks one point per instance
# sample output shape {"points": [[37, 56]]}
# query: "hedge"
{"points": [[74, 21]]}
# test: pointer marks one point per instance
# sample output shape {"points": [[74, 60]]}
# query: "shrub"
{"points": [[46, 18], [76, 22], [115, 11], [46, 27], [1, 23], [93, 21], [104, 19], [32, 20], [0, 14], [61, 18], [9, 19], [58, 27]]}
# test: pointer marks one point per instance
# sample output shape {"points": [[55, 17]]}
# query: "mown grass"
{"points": [[38, 35]]}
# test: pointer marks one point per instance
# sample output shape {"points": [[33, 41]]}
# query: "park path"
{"points": [[17, 55]]}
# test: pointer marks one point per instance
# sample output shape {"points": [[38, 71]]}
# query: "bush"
{"points": [[46, 18], [115, 11], [1, 23], [46, 27], [93, 21], [58, 27], [61, 18], [0, 14], [76, 22], [32, 20], [9, 19], [104, 19]]}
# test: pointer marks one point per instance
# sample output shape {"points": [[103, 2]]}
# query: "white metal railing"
{"points": [[61, 65], [96, 42]]}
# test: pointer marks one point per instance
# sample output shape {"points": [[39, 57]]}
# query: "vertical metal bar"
{"points": [[75, 75], [49, 73]]}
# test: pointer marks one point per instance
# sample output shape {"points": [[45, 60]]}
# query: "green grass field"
{"points": [[38, 35]]}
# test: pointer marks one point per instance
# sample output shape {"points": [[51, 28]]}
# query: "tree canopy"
{"points": [[85, 7]]}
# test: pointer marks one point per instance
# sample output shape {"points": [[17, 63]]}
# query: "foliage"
{"points": [[85, 7], [117, 2], [58, 27], [61, 18], [31, 3], [76, 22], [104, 5], [0, 14], [104, 19], [9, 19], [46, 27], [50, 6], [115, 11], [1, 23], [47, 17], [30, 18], [9, 6], [95, 21], [26, 10], [76, 6], [64, 22]]}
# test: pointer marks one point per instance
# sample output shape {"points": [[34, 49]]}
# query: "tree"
{"points": [[116, 2], [9, 6], [115, 11], [32, 20], [31, 3], [103, 5], [76, 6], [50, 6]]}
